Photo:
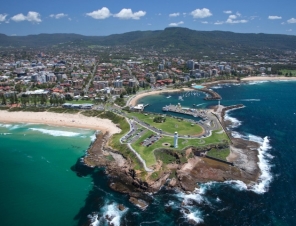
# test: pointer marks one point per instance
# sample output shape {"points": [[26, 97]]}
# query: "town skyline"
{"points": [[106, 18]]}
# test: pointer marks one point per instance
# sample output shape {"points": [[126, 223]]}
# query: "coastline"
{"points": [[133, 101], [60, 119], [269, 78]]}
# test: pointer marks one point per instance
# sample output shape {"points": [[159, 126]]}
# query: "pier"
{"points": [[213, 94]]}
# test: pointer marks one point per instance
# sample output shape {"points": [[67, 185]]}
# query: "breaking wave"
{"points": [[56, 133], [110, 215]]}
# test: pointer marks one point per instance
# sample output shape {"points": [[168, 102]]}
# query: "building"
{"points": [[117, 84], [176, 140]]}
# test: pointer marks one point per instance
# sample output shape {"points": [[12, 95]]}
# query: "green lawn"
{"points": [[219, 154], [147, 153], [171, 125]]}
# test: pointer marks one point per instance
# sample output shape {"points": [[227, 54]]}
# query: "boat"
{"points": [[169, 96]]}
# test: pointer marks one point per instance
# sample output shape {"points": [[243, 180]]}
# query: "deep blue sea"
{"points": [[42, 181]]}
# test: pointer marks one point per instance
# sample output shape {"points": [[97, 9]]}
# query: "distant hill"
{"points": [[169, 39]]}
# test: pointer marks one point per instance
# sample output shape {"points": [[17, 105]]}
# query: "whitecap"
{"points": [[257, 82], [5, 125], [195, 215], [113, 213], [264, 164], [234, 122], [56, 133], [250, 100]]}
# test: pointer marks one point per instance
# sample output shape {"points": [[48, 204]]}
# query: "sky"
{"points": [[106, 17]]}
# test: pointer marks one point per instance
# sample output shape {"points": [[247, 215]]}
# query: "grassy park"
{"points": [[170, 125]]}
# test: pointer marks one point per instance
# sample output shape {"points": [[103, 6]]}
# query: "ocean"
{"points": [[44, 183]]}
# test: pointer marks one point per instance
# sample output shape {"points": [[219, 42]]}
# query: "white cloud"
{"points": [[3, 17], [128, 14], [204, 22], [274, 17], [149, 24], [58, 16], [201, 13], [289, 30], [174, 14], [230, 21], [219, 22], [100, 14], [232, 17], [291, 21], [227, 11], [176, 24], [31, 17]]}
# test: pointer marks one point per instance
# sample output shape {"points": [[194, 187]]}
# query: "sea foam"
{"points": [[234, 122], [111, 212], [56, 133]]}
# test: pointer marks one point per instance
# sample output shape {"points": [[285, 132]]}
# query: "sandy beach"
{"points": [[60, 119], [133, 101], [268, 78]]}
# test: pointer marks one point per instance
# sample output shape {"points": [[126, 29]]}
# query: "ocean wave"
{"points": [[250, 100], [264, 157], [110, 215], [216, 87], [5, 125], [234, 122], [56, 133], [264, 164], [257, 82], [5, 134]]}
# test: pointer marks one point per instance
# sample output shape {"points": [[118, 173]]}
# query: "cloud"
{"points": [[204, 22], [31, 17], [230, 21], [232, 17], [58, 16], [274, 17], [176, 24], [289, 30], [291, 21], [3, 17], [201, 13], [174, 14], [227, 11], [219, 22], [100, 14], [128, 14]]}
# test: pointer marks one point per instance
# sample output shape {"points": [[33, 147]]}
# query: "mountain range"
{"points": [[169, 40]]}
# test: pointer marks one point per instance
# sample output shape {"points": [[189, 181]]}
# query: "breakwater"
{"points": [[213, 94]]}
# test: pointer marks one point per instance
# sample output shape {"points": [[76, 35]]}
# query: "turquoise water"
{"points": [[38, 186], [41, 186]]}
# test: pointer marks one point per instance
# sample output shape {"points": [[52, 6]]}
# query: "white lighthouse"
{"points": [[176, 140]]}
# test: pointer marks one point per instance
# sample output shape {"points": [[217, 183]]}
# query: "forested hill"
{"points": [[169, 39]]}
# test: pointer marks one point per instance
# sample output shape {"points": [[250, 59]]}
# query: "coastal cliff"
{"points": [[183, 175]]}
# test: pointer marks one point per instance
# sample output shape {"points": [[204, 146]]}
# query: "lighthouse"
{"points": [[176, 140]]}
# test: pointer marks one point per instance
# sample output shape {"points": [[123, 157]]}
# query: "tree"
{"points": [[4, 102]]}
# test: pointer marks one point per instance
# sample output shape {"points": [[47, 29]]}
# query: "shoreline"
{"points": [[60, 119], [133, 101]]}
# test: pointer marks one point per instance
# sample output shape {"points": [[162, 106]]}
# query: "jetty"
{"points": [[213, 94], [186, 111]]}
